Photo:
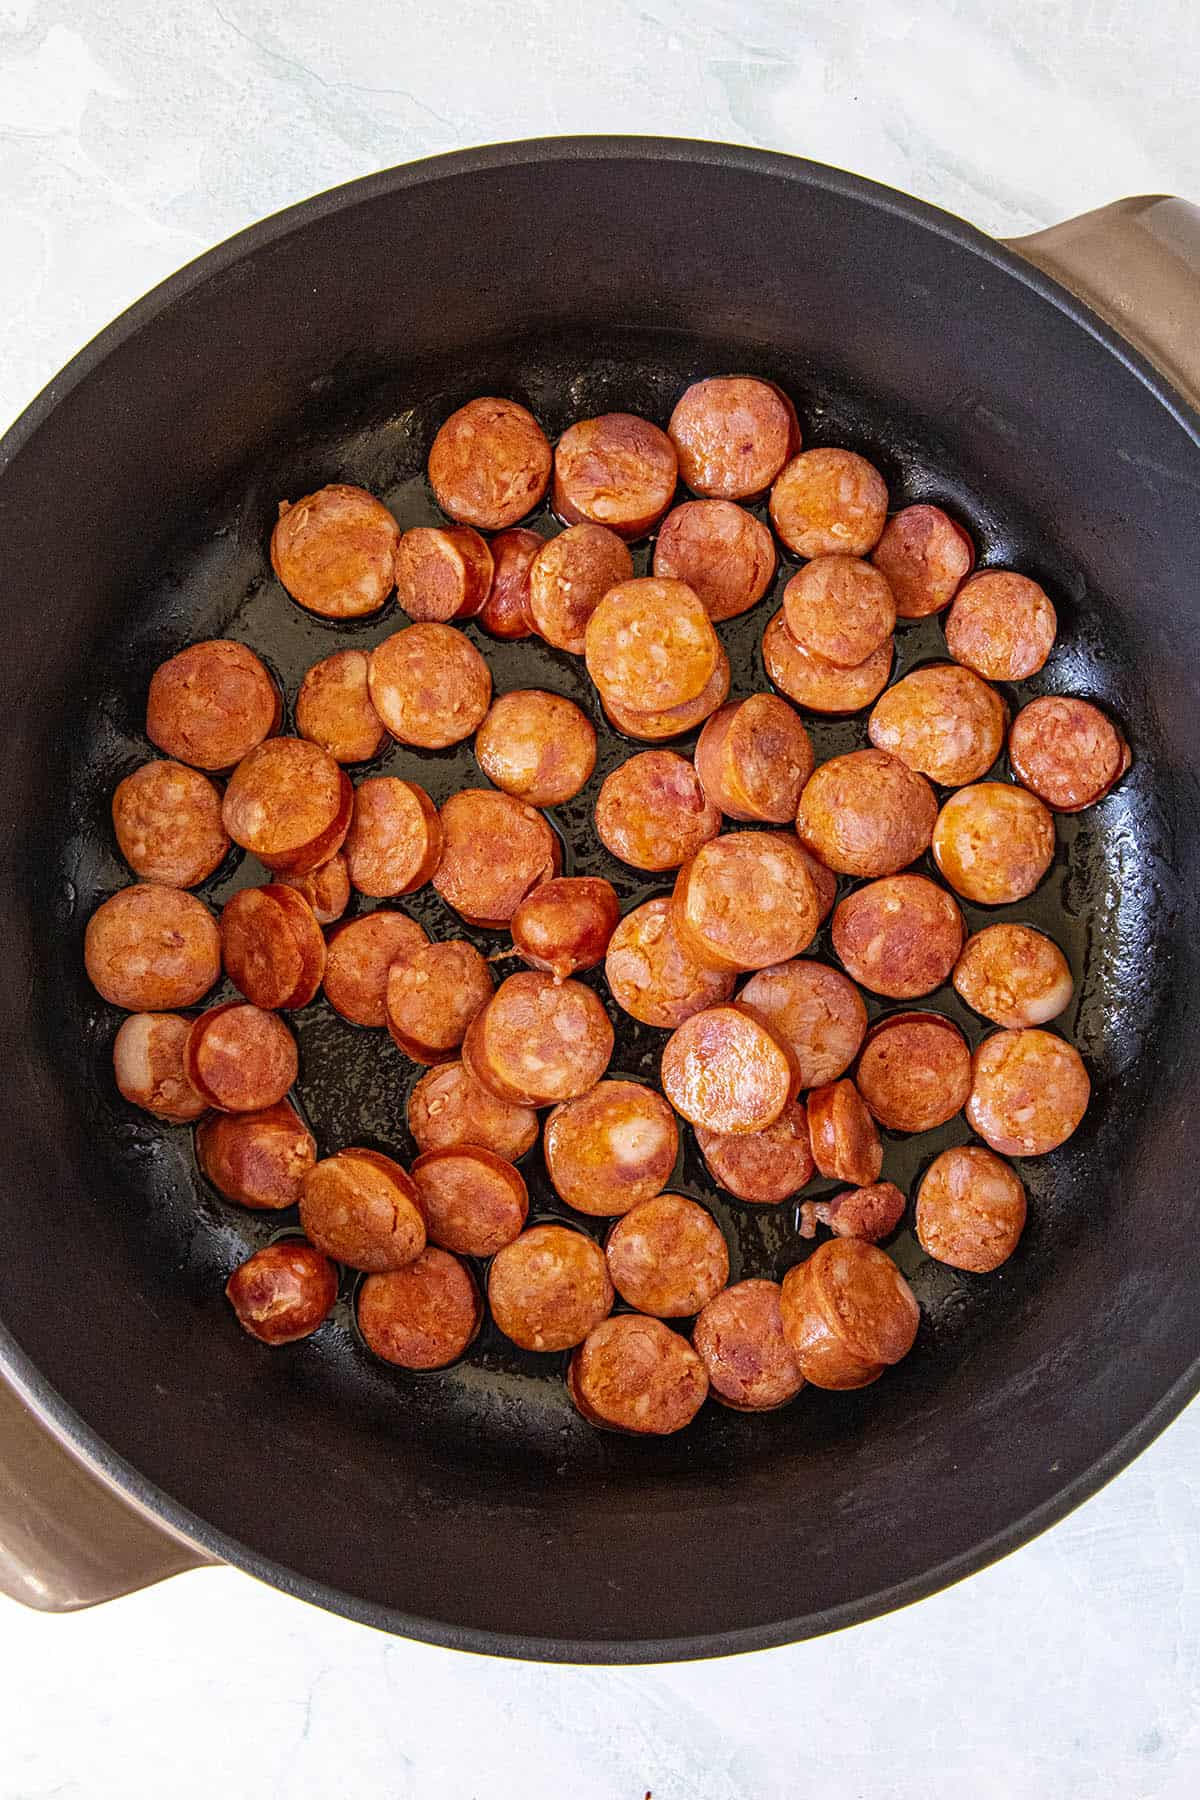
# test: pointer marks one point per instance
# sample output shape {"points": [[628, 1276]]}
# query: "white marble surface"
{"points": [[133, 134]]}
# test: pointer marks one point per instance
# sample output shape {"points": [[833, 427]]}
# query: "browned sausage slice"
{"points": [[359, 955], [754, 757], [667, 1256], [733, 434], [538, 746], [993, 842], [672, 721], [723, 553], [724, 1071], [845, 1143], [1067, 752], [490, 463], [829, 503], [289, 803], [148, 1066], [150, 948], [654, 976], [942, 720], [847, 1314], [569, 577], [970, 1209], [506, 611], [1029, 1092], [272, 946], [925, 557], [565, 925], [900, 936], [814, 1012], [211, 705], [333, 708], [914, 1072], [423, 1316], [866, 814], [739, 1335], [635, 1374], [394, 843], [474, 1202], [363, 1210], [653, 812], [1001, 625], [334, 551], [326, 889], [611, 1148], [429, 685], [549, 1288], [650, 646], [433, 993], [616, 470], [495, 850], [819, 685], [539, 1041], [839, 609], [448, 1106], [442, 573], [870, 1213], [1013, 975], [259, 1159], [747, 900], [283, 1292], [764, 1167], [167, 820], [240, 1058]]}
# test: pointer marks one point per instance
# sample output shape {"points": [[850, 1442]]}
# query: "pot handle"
{"points": [[67, 1538], [1137, 264]]}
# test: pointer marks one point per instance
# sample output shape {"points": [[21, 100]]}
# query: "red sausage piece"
{"points": [[433, 993], [650, 645], [724, 1071], [1029, 1092], [429, 685], [845, 1143], [635, 1374], [870, 1213], [289, 803], [474, 1202], [272, 946], [490, 463], [667, 1256], [672, 721], [167, 820], [569, 577], [240, 1058], [942, 720], [326, 889], [506, 611], [334, 551], [1001, 625], [495, 850], [211, 705], [914, 1072], [611, 1148], [359, 955], [616, 470], [723, 553], [150, 948], [733, 434], [814, 1012], [970, 1209], [363, 1210], [448, 1106], [549, 1288], [148, 1066], [1013, 975], [1067, 752], [899, 937], [395, 838], [538, 746], [333, 708], [819, 685], [764, 1167], [654, 976], [653, 812], [925, 557], [866, 814], [739, 1335], [746, 900], [423, 1316], [283, 1292], [259, 1159], [565, 925], [829, 503], [754, 758], [442, 573], [839, 609], [538, 1041], [993, 842], [847, 1314]]}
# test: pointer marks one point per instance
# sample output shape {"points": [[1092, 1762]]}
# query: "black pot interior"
{"points": [[474, 1506]]}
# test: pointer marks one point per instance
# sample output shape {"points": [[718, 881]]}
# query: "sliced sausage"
{"points": [[1013, 975], [723, 553], [334, 551], [359, 955], [569, 577], [867, 814], [272, 946], [724, 1072], [394, 843], [650, 646], [429, 685], [564, 926], [363, 1210], [1029, 1092], [870, 1213], [845, 1143], [925, 557], [653, 812], [993, 842], [289, 803], [847, 1314], [899, 937], [819, 685], [326, 889], [240, 1058], [442, 573], [474, 1202], [490, 463], [733, 434], [914, 1072], [433, 992], [754, 757], [814, 1012], [1065, 751], [635, 1374], [148, 1066], [839, 609], [448, 1106], [746, 900], [539, 1041], [259, 1159], [672, 721], [616, 470], [495, 850], [739, 1336], [611, 1148], [150, 949], [538, 746], [942, 720], [830, 503], [283, 1292], [970, 1209], [424, 1316], [667, 1256], [333, 708], [656, 978], [549, 1288], [212, 704], [1001, 625], [167, 820], [506, 611], [764, 1167]]}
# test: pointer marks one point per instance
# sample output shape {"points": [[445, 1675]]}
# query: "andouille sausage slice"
{"points": [[540, 747], [925, 556], [539, 1041], [739, 1335], [334, 551], [848, 1313], [733, 434], [867, 814], [672, 721], [549, 1288], [394, 843], [495, 850], [167, 820], [754, 757], [490, 463], [839, 609], [654, 976], [474, 1202], [746, 900], [433, 992], [448, 1106], [616, 470], [1066, 751], [764, 1167], [829, 503], [148, 1066], [1013, 975], [505, 612], [845, 1143], [724, 1072], [326, 889], [240, 1058], [650, 645], [870, 1213], [283, 1292], [363, 1210], [150, 948], [723, 553], [815, 1012], [635, 1374], [569, 577], [971, 1209], [259, 1159], [565, 925], [333, 708], [993, 842], [1001, 625], [819, 685], [614, 1146], [667, 1256], [358, 957], [914, 1072], [1029, 1092], [942, 720], [653, 812], [272, 946], [289, 803], [442, 573], [212, 704], [429, 685], [899, 937], [424, 1316]]}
